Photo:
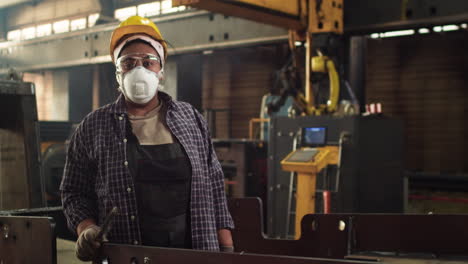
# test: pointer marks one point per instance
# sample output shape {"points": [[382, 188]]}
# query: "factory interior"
{"points": [[339, 125]]}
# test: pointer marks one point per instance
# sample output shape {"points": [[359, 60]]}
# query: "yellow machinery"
{"points": [[302, 18], [307, 162]]}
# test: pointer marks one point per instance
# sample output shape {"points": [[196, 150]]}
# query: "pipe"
{"points": [[326, 202]]}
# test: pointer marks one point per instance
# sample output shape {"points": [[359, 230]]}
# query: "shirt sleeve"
{"points": [[77, 187], [223, 217]]}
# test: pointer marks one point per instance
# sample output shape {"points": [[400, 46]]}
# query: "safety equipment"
{"points": [[139, 85], [136, 25], [128, 62], [155, 44], [87, 245]]}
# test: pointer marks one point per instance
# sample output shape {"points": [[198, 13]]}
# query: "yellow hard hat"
{"points": [[136, 25]]}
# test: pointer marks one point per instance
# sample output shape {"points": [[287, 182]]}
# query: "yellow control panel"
{"points": [[307, 162], [310, 160]]}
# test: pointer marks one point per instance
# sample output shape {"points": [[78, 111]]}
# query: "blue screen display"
{"points": [[314, 136]]}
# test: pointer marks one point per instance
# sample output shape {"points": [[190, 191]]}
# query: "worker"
{"points": [[148, 155]]}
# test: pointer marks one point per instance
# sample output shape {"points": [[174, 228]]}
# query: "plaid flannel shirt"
{"points": [[97, 178]]}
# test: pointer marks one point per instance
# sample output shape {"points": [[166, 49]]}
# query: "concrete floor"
{"points": [[66, 252], [438, 207]]}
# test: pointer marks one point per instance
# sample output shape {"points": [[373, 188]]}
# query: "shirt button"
{"points": [[120, 118], [132, 217], [135, 242], [129, 189], [126, 163], [125, 140]]}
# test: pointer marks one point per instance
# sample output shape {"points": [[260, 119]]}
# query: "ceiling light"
{"points": [[424, 31]]}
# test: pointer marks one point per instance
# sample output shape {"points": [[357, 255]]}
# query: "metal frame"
{"points": [[122, 254], [91, 46], [373, 15], [325, 239], [3, 28], [347, 235], [26, 239], [332, 238], [407, 24], [26, 112]]}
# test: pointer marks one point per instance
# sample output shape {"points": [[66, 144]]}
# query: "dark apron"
{"points": [[162, 176]]}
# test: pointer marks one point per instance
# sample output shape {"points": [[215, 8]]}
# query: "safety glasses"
{"points": [[128, 62]]}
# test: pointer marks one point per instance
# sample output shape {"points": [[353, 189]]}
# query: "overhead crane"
{"points": [[303, 19]]}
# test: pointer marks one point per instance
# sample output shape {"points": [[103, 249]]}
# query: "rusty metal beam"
{"points": [[271, 14]]}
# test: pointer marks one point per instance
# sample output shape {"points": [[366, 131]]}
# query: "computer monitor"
{"points": [[314, 136]]}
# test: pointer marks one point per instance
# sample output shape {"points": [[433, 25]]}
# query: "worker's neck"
{"points": [[142, 110]]}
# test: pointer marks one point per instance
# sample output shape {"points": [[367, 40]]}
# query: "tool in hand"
{"points": [[107, 223]]}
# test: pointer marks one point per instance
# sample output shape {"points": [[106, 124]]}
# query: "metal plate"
{"points": [[117, 254], [21, 182], [338, 235], [27, 240], [325, 239], [91, 46], [320, 237]]}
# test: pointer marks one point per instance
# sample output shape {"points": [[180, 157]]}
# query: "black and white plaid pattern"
{"points": [[97, 178]]}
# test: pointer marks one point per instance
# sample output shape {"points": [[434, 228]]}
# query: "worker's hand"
{"points": [[225, 240], [87, 245]]}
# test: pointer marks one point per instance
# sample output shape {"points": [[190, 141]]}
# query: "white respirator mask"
{"points": [[139, 85]]}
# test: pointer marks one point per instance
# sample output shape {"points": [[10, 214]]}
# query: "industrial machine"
{"points": [[368, 178], [357, 160], [304, 19], [307, 162]]}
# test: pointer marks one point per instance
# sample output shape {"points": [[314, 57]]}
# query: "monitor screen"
{"points": [[314, 136]]}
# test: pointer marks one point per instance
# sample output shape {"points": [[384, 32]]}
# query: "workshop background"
{"points": [[403, 97]]}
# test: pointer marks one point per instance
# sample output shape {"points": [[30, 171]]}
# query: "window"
{"points": [[62, 26], [14, 35], [166, 7], [124, 13], [28, 33], [44, 30], [92, 19], [150, 9], [78, 24]]}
